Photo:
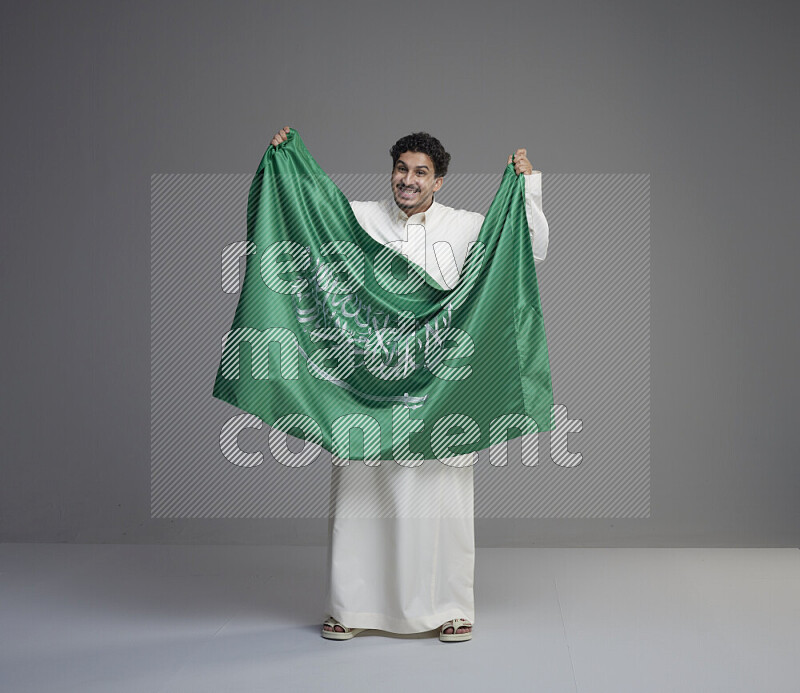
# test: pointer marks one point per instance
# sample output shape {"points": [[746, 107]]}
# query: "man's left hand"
{"points": [[521, 163]]}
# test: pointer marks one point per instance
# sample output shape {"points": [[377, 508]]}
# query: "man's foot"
{"points": [[456, 630], [333, 630]]}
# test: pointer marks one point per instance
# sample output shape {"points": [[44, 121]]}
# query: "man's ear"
{"points": [[438, 183]]}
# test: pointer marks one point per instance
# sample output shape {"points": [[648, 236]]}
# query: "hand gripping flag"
{"points": [[348, 344]]}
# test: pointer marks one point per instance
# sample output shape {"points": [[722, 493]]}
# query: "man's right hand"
{"points": [[280, 136]]}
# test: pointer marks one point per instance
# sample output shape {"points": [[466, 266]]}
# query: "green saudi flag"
{"points": [[345, 343]]}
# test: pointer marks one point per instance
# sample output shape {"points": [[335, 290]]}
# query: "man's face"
{"points": [[413, 182]]}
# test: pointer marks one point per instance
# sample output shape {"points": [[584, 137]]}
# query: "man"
{"points": [[413, 571]]}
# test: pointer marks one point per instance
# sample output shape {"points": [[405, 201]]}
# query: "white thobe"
{"points": [[401, 539]]}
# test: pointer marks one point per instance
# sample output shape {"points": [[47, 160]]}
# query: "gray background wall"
{"points": [[98, 96]]}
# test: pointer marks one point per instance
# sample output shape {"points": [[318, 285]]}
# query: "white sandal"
{"points": [[455, 636], [333, 634]]}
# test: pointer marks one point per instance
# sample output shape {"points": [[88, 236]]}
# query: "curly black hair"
{"points": [[425, 143]]}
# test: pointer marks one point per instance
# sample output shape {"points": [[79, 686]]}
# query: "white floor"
{"points": [[216, 618]]}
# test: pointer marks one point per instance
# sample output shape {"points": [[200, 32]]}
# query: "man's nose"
{"points": [[408, 180]]}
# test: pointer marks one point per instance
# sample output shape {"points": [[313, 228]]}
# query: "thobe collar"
{"points": [[397, 214]]}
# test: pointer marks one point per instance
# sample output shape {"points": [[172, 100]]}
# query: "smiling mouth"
{"points": [[407, 192]]}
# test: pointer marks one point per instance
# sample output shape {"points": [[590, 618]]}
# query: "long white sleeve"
{"points": [[537, 223]]}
